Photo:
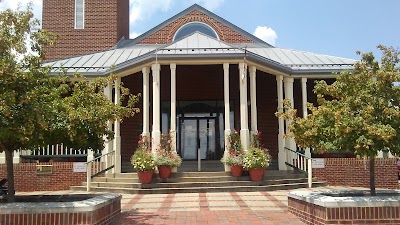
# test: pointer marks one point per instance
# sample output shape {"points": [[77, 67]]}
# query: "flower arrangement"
{"points": [[256, 156], [235, 150], [165, 155], [142, 159]]}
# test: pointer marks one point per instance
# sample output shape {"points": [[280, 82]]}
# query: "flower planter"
{"points": [[256, 174], [236, 170], [164, 171], [145, 177]]}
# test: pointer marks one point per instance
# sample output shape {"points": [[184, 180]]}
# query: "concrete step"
{"points": [[198, 189], [195, 184]]}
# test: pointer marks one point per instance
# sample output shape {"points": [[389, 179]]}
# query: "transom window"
{"points": [[192, 27]]}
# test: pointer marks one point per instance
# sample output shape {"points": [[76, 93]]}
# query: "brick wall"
{"points": [[318, 215], [106, 22], [26, 179], [355, 172], [166, 34]]}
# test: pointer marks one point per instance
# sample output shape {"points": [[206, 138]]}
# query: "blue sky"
{"points": [[332, 27]]}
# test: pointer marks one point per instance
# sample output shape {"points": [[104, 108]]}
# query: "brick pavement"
{"points": [[222, 208]]}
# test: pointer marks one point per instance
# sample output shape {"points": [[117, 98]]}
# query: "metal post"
{"points": [[309, 173], [199, 160], [88, 175]]}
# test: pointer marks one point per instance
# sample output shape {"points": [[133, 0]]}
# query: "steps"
{"points": [[187, 182]]}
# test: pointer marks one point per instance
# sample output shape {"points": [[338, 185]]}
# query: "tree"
{"points": [[36, 109], [359, 112]]}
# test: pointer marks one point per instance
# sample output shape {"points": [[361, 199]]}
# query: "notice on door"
{"points": [[318, 163]]}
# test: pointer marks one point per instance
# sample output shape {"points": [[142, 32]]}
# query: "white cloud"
{"points": [[13, 4], [141, 10], [134, 35], [266, 34], [209, 4]]}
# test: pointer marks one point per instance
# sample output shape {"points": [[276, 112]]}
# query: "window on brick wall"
{"points": [[79, 14], [192, 27]]}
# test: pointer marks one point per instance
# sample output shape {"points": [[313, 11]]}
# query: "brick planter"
{"points": [[96, 210], [313, 207]]}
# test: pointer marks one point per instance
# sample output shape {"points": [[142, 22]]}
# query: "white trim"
{"points": [[83, 16], [193, 22]]}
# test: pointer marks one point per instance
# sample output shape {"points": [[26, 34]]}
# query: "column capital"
{"points": [[155, 66], [226, 66], [279, 78], [241, 64], [172, 66], [288, 79], [303, 80], [145, 70]]}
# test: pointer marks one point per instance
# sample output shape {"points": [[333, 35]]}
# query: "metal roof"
{"points": [[200, 46]]}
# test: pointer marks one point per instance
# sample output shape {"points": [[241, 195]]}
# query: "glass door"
{"points": [[197, 134]]}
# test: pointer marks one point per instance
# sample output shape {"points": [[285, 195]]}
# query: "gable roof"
{"points": [[200, 46], [194, 7]]}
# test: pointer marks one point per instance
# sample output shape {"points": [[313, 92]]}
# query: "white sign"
{"points": [[318, 163], [79, 167]]}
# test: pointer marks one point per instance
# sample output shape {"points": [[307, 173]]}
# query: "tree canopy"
{"points": [[37, 109], [359, 112]]}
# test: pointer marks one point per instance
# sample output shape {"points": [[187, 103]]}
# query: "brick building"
{"points": [[200, 76]]}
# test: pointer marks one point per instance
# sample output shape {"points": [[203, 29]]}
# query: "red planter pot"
{"points": [[164, 171], [236, 170], [146, 177], [256, 174]]}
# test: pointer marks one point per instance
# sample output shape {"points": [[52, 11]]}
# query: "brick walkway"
{"points": [[207, 208], [247, 208]]}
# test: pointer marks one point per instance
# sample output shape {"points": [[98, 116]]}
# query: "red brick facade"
{"points": [[166, 34], [62, 178], [355, 172], [106, 22]]}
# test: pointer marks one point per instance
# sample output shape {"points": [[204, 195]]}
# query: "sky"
{"points": [[331, 27]]}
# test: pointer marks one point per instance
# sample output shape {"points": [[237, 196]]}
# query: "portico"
{"points": [[200, 78]]}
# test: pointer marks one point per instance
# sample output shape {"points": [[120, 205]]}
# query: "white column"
{"points": [[173, 104], [2, 157], [304, 103], [281, 123], [108, 143], [156, 133], [117, 129], [244, 126], [289, 95], [227, 129], [253, 100], [145, 71]]}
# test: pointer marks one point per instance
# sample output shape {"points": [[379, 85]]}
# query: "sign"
{"points": [[44, 169], [79, 167], [318, 163]]}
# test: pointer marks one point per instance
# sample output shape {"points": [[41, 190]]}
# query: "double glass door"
{"points": [[197, 138]]}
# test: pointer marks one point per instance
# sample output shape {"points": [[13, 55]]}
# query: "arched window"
{"points": [[192, 27]]}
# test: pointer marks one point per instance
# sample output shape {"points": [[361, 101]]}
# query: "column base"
{"points": [[146, 134], [245, 138], [156, 138], [117, 154]]}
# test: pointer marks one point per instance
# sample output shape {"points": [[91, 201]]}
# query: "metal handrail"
{"points": [[98, 169], [301, 158], [298, 153]]}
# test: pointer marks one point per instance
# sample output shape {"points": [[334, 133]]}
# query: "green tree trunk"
{"points": [[372, 176], [10, 176]]}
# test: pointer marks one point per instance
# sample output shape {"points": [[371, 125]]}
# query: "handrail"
{"points": [[298, 153], [300, 162], [99, 165]]}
